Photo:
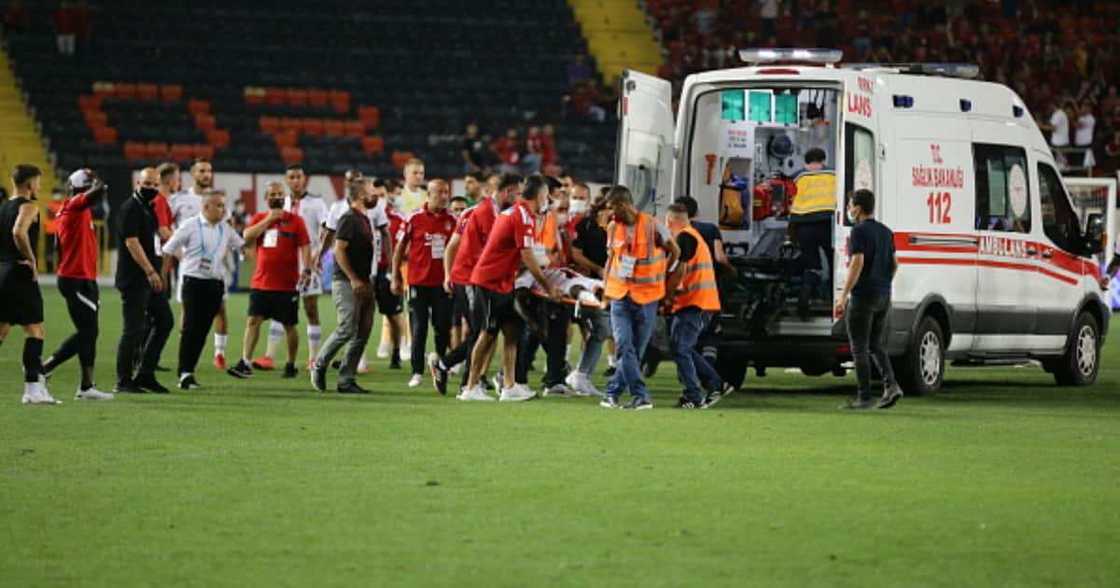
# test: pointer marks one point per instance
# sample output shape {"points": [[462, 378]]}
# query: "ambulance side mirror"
{"points": [[1094, 234]]}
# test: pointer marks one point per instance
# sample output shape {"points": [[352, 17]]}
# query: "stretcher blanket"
{"points": [[577, 289]]}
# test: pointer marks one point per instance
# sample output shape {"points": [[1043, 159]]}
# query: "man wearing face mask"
{"points": [[423, 239], [463, 253], [350, 291], [589, 252], [552, 236], [283, 264], [140, 284], [579, 196], [205, 241], [640, 251]]}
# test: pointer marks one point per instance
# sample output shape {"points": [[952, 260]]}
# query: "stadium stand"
{"points": [[282, 82]]}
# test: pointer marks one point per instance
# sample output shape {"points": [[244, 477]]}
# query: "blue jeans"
{"points": [[632, 325], [693, 369], [593, 347]]}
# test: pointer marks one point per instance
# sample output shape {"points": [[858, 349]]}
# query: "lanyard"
{"points": [[202, 238]]}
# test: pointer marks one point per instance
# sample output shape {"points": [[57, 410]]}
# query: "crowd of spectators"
{"points": [[1057, 55], [520, 151]]}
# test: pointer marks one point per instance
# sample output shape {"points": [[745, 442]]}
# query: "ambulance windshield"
{"points": [[750, 146]]}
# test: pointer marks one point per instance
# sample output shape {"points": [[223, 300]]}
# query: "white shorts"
{"points": [[314, 287]]}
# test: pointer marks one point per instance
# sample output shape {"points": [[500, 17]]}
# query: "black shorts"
{"points": [[282, 307], [460, 305], [21, 301], [388, 304], [497, 309]]}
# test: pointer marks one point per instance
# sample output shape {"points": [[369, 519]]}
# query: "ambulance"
{"points": [[995, 265]]}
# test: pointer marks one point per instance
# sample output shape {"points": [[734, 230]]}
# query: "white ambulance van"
{"points": [[994, 263]]}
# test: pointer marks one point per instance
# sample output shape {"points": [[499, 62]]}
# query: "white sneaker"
{"points": [[475, 394], [560, 390], [415, 381], [579, 382], [36, 393], [517, 394], [92, 394], [383, 351]]}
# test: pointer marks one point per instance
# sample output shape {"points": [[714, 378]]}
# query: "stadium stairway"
{"points": [[19, 136], [619, 36]]}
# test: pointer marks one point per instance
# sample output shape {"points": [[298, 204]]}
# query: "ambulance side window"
{"points": [[859, 164], [1059, 221], [1002, 190]]}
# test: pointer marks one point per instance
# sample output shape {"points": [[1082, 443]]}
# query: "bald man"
{"points": [[423, 239], [140, 284]]}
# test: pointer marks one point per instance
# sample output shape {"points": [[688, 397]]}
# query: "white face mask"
{"points": [[397, 201], [562, 218], [578, 206]]}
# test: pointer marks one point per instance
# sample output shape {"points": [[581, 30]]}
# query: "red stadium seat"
{"points": [[218, 138], [105, 135], [334, 128], [313, 127], [275, 97], [89, 102], [181, 152], [124, 91], [196, 106], [205, 122], [317, 98], [156, 150], [171, 93], [147, 92], [297, 97], [354, 128], [340, 101], [291, 124], [254, 96], [373, 146], [291, 155], [270, 125], [203, 151], [370, 117], [287, 138], [135, 151]]}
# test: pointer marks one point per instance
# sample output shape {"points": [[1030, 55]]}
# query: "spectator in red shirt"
{"points": [[77, 279], [508, 150], [283, 246], [423, 238], [462, 255], [511, 244]]}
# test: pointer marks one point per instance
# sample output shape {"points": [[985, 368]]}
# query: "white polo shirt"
{"points": [[312, 210], [205, 247]]}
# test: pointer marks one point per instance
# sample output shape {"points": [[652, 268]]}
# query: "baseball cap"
{"points": [[81, 179]]}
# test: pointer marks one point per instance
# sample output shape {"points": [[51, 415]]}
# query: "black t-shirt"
{"points": [[476, 150], [710, 233], [354, 228], [687, 244], [137, 220], [876, 242], [9, 212], [592, 240]]}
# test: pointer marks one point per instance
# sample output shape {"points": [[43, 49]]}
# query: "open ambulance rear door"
{"points": [[645, 140]]}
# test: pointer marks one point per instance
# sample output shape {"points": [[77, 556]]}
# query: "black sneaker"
{"points": [[128, 387], [319, 378], [395, 362], [638, 403], [610, 371], [351, 388], [187, 382], [609, 401], [336, 364], [858, 403], [685, 403], [716, 395], [891, 396], [290, 371], [439, 374], [241, 370], [148, 382]]}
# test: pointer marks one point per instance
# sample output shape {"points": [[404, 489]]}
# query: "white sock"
{"points": [[610, 360], [275, 336], [314, 334], [220, 343], [362, 365]]}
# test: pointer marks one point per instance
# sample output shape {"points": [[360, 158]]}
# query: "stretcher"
{"points": [[579, 291]]}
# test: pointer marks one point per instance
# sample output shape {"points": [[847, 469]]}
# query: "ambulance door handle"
{"points": [[1032, 252], [1048, 254]]}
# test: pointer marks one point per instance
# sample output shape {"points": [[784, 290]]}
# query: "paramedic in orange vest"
{"points": [[810, 222], [640, 249], [691, 301]]}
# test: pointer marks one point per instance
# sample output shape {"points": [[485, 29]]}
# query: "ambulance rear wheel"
{"points": [[922, 369], [1081, 362]]}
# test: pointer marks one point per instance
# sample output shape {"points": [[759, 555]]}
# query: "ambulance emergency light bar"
{"points": [[968, 71], [820, 56]]}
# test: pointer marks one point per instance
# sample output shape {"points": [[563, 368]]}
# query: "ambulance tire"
{"points": [[922, 369], [1081, 362]]}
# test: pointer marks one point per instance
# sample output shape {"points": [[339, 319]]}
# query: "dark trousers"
{"points": [[867, 324], [202, 299], [476, 320], [428, 303], [136, 303], [813, 237], [555, 343], [82, 302]]}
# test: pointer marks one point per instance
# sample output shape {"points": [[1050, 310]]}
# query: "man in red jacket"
{"points": [[77, 279]]}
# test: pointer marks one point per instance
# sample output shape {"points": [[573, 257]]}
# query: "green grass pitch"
{"points": [[1003, 479]]}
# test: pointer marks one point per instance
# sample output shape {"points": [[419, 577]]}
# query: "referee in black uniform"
{"points": [[139, 283], [21, 302]]}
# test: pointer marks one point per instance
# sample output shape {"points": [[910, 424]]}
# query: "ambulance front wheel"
{"points": [[1081, 362], [922, 369]]}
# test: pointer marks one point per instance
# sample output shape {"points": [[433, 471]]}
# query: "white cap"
{"points": [[81, 179]]}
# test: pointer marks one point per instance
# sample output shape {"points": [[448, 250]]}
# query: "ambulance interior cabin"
{"points": [[747, 151]]}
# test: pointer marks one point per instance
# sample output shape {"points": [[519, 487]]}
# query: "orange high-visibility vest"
{"points": [[548, 235], [647, 284], [698, 286]]}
